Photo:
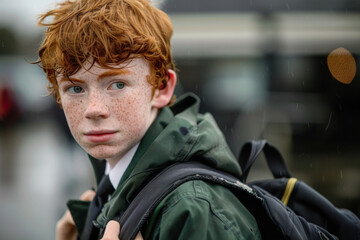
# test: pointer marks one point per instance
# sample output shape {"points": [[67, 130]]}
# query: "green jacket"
{"points": [[196, 209]]}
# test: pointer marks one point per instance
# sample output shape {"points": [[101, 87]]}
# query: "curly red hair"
{"points": [[108, 32]]}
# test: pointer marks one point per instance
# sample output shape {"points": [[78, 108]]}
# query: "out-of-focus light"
{"points": [[342, 65]]}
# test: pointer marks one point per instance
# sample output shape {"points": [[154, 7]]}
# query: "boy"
{"points": [[110, 68]]}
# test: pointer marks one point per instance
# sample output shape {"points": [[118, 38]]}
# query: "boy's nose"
{"points": [[96, 108]]}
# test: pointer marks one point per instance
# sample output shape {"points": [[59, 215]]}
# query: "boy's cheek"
{"points": [[73, 115]]}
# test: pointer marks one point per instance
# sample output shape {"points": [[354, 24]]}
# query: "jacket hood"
{"points": [[178, 134]]}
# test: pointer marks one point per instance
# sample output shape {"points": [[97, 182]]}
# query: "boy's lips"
{"points": [[100, 135]]}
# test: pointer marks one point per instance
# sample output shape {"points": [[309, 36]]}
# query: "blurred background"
{"points": [[259, 66]]}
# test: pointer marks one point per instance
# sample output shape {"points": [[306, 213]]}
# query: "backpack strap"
{"points": [[251, 150], [161, 185]]}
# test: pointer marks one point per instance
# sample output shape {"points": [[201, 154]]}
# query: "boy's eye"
{"points": [[75, 89], [117, 85]]}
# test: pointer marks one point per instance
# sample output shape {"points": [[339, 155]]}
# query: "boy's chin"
{"points": [[103, 153]]}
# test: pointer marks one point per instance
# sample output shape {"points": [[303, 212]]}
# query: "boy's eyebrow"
{"points": [[112, 73], [70, 79]]}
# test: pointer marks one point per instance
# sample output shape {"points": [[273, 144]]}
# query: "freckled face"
{"points": [[108, 111]]}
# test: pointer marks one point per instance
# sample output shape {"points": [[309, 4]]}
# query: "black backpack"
{"points": [[303, 214]]}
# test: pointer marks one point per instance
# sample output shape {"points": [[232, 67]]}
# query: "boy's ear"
{"points": [[163, 95]]}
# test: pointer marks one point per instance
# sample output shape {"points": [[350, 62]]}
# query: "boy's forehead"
{"points": [[133, 66]]}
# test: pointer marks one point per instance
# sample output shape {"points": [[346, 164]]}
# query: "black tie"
{"points": [[104, 189]]}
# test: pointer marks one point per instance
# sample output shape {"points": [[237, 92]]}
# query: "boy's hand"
{"points": [[112, 231], [65, 227]]}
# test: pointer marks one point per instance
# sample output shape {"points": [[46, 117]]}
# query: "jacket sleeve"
{"points": [[193, 211]]}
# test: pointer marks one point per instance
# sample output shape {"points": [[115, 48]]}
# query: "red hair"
{"points": [[108, 32]]}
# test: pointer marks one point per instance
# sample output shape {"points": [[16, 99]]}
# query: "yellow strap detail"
{"points": [[288, 190]]}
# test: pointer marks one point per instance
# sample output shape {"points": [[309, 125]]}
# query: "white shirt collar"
{"points": [[118, 170]]}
